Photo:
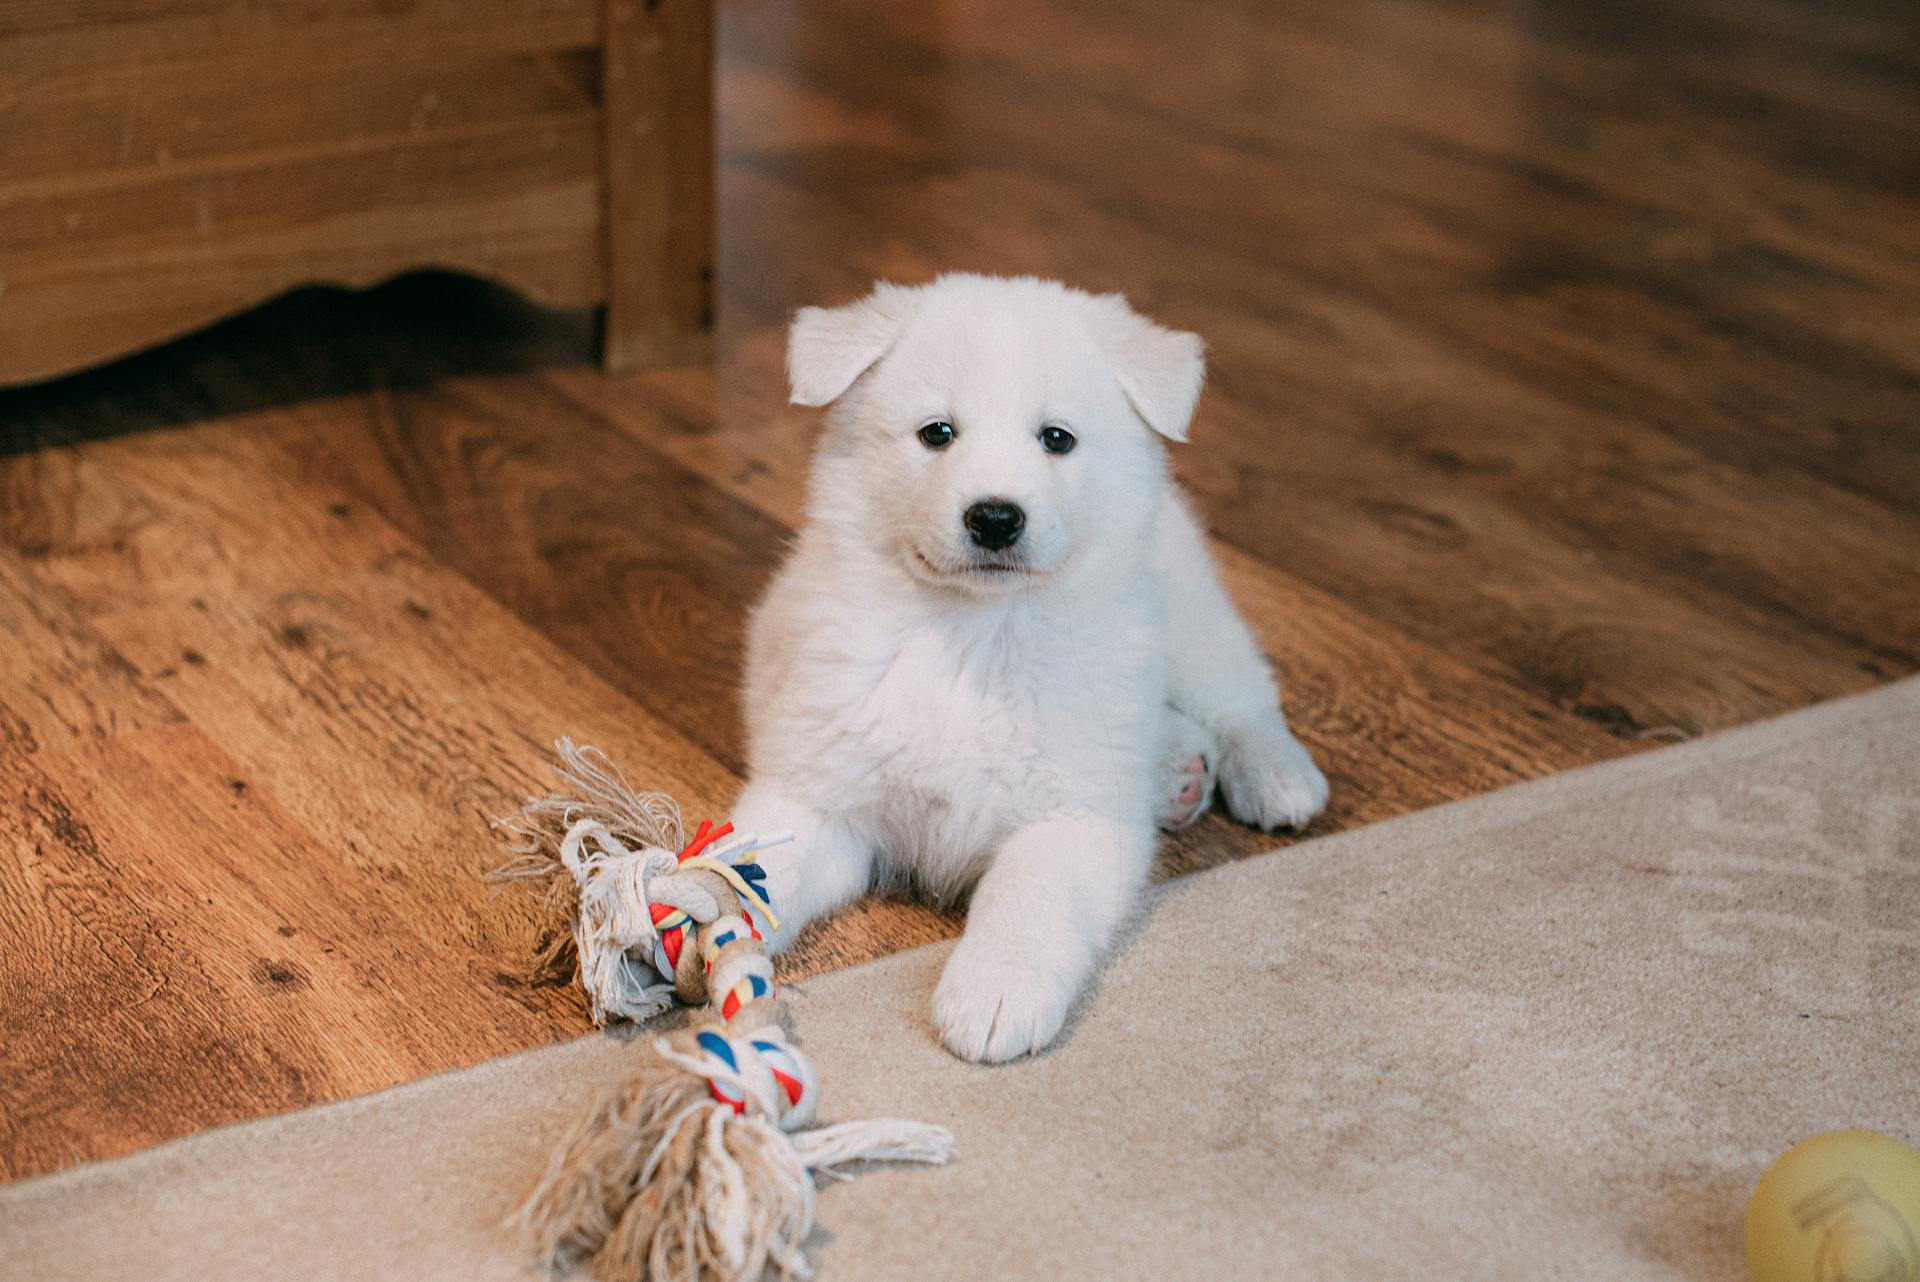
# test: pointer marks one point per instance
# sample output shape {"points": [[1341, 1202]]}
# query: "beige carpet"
{"points": [[1554, 1032]]}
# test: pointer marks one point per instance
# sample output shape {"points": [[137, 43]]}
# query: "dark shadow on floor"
{"points": [[312, 343]]}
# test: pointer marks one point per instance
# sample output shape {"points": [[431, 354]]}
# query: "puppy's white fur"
{"points": [[1009, 723]]}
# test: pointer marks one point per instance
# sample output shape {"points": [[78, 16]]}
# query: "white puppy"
{"points": [[998, 654]]}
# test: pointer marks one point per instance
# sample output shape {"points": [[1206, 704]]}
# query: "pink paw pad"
{"points": [[1191, 798], [1191, 793]]}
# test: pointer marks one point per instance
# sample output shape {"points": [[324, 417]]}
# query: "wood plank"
{"points": [[659, 187], [178, 957], [1631, 124], [355, 716], [60, 682], [327, 623], [1429, 197], [41, 40], [90, 273], [636, 566], [1590, 622], [179, 117], [1643, 607], [508, 482], [1708, 220]]}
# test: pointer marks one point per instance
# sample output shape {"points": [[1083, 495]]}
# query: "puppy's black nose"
{"points": [[994, 524]]}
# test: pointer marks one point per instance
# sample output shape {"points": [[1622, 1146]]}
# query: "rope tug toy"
{"points": [[699, 1166]]}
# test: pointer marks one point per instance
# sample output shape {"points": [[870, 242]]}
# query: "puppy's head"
{"points": [[992, 433]]}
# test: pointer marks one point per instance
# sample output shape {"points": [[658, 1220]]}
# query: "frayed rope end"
{"points": [[701, 1166], [662, 1181]]}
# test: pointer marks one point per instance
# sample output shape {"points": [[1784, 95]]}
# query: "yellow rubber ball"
{"points": [[1840, 1207]]}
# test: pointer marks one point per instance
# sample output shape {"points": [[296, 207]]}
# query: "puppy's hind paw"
{"points": [[1187, 793], [1187, 772], [1269, 781], [989, 1008]]}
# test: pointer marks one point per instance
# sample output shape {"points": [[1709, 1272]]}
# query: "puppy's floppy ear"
{"points": [[1159, 369], [829, 347]]}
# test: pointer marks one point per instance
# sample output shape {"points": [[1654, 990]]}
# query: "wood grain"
{"points": [[270, 752], [1564, 403], [62, 683], [92, 36], [168, 164], [658, 120], [637, 567], [91, 270], [181, 116]]}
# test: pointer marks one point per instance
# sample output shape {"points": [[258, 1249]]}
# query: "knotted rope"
{"points": [[700, 1166]]}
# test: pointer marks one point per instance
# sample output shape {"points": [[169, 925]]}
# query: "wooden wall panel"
{"points": [[660, 201], [165, 163], [88, 271], [39, 38], [77, 128]]}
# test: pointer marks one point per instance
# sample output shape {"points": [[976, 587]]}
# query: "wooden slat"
{"points": [[177, 118], [41, 39], [88, 274], [660, 208]]}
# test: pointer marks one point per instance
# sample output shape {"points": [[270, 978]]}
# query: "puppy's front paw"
{"points": [[990, 1006], [1269, 781]]}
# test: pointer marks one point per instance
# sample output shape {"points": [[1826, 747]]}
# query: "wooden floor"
{"points": [[1566, 370]]}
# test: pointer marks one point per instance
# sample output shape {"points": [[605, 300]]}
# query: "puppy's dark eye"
{"points": [[937, 436], [1057, 440]]}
